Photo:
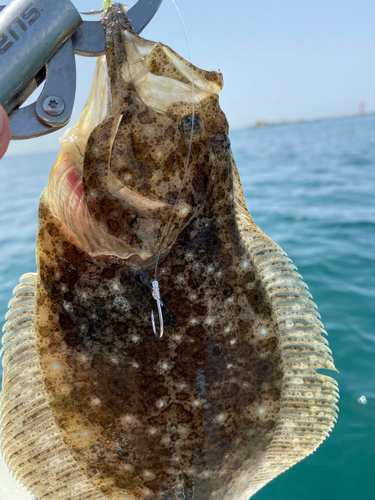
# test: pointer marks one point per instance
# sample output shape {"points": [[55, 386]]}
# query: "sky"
{"points": [[281, 59]]}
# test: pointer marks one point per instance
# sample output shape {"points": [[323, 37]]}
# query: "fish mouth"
{"points": [[162, 80], [67, 202]]}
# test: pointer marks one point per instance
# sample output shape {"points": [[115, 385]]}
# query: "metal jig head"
{"points": [[156, 295]]}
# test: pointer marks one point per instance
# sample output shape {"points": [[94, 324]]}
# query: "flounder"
{"points": [[93, 405]]}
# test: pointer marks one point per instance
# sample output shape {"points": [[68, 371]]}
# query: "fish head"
{"points": [[153, 161]]}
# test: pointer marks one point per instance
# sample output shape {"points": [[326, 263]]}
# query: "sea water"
{"points": [[311, 188]]}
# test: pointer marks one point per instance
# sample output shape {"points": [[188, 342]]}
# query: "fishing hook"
{"points": [[156, 295]]}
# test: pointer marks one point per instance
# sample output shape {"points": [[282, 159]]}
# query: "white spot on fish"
{"points": [[261, 411], [55, 366], [85, 433], [220, 418], [127, 419], [233, 341], [148, 475], [152, 431], [96, 401], [245, 264], [192, 296], [263, 331], [193, 321], [160, 403], [362, 400], [227, 329], [210, 269], [122, 303], [68, 306], [164, 365], [197, 402], [135, 364], [114, 360], [212, 157], [209, 321], [135, 338], [229, 365]]}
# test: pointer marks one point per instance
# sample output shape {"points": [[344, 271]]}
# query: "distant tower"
{"points": [[362, 108]]}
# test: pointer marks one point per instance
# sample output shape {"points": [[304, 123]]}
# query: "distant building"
{"points": [[362, 108]]}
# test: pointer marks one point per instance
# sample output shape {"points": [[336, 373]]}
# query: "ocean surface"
{"points": [[310, 187]]}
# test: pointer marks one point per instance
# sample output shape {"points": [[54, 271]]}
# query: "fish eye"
{"points": [[222, 144], [187, 123]]}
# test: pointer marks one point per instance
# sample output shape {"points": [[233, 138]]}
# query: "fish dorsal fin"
{"points": [[31, 443], [308, 410]]}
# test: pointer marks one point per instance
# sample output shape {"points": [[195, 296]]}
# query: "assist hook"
{"points": [[156, 295]]}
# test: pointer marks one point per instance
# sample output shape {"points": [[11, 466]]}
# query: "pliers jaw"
{"points": [[39, 42]]}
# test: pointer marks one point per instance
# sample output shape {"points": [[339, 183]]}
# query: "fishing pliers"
{"points": [[38, 41]]}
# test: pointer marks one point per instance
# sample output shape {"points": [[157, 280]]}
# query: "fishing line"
{"points": [[165, 235], [155, 283]]}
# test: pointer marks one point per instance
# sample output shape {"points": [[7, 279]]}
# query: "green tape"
{"points": [[106, 4]]}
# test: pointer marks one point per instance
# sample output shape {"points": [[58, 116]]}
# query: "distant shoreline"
{"points": [[265, 123]]}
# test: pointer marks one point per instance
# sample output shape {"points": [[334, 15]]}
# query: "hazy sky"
{"points": [[281, 59]]}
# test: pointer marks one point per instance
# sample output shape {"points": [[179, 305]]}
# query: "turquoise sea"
{"points": [[311, 187]]}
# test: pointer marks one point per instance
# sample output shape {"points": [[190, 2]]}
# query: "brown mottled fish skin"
{"points": [[208, 411]]}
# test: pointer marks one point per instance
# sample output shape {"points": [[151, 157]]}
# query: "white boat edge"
{"points": [[10, 489]]}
